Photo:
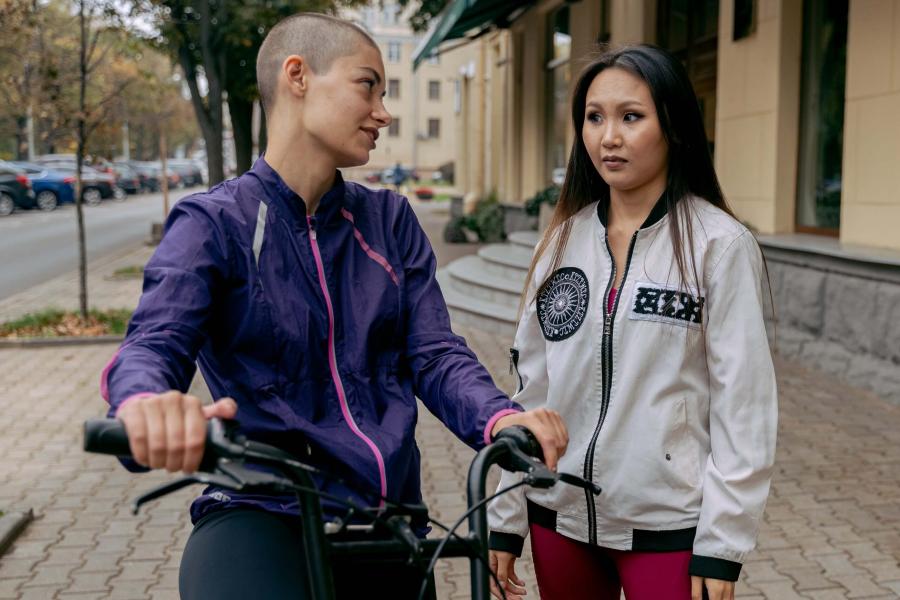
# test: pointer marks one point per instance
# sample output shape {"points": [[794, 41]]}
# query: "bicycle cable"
{"points": [[440, 547]]}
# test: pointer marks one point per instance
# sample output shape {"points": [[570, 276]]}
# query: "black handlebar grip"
{"points": [[523, 439], [106, 436]]}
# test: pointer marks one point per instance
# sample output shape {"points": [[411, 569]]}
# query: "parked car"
{"points": [[51, 187], [148, 177], [97, 186], [15, 189], [127, 178], [187, 169], [173, 177]]}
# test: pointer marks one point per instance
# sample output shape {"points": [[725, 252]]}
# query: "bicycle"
{"points": [[226, 453]]}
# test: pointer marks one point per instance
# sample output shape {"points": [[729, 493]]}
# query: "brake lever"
{"points": [[174, 486], [539, 476]]}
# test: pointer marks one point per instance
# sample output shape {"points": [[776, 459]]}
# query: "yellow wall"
{"points": [[757, 91], [870, 197]]}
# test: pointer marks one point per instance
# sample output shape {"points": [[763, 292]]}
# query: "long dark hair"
{"points": [[690, 165]]}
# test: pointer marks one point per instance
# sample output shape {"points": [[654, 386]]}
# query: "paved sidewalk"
{"points": [[831, 530]]}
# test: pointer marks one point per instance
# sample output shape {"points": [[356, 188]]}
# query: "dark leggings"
{"points": [[243, 554]]}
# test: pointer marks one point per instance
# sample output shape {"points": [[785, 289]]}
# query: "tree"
{"points": [[91, 114], [427, 10], [215, 42]]}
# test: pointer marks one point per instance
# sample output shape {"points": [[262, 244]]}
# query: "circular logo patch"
{"points": [[563, 304]]}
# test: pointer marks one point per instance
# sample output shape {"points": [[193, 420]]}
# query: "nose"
{"points": [[611, 137], [381, 115]]}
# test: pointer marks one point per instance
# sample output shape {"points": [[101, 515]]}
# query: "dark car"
{"points": [[187, 169], [15, 189], [97, 186], [148, 175], [173, 176], [127, 178], [51, 188]]}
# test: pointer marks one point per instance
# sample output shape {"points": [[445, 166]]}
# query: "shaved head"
{"points": [[319, 39]]}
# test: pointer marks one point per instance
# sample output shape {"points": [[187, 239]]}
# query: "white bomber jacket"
{"points": [[674, 421]]}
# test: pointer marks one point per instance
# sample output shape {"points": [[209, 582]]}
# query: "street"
{"points": [[37, 246]]}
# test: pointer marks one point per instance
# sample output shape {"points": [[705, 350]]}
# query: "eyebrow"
{"points": [[374, 74], [627, 103]]}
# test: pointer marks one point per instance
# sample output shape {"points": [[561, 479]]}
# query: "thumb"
{"points": [[225, 408]]}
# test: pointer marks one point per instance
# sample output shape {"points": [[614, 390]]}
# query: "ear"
{"points": [[295, 73]]}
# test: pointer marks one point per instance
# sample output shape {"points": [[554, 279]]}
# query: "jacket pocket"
{"points": [[678, 454]]}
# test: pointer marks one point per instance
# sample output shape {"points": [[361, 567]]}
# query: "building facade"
{"points": [[424, 103], [801, 102]]}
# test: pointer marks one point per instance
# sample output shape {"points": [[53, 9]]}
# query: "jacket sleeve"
{"points": [[168, 327], [447, 376], [743, 414], [508, 514]]}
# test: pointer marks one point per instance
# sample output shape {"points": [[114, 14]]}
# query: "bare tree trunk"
{"points": [[79, 210], [241, 113], [164, 184], [263, 140]]}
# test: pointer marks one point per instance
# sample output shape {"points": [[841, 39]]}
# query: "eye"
{"points": [[594, 117], [369, 82], [632, 117]]}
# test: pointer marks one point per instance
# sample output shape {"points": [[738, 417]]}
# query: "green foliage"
{"points": [[487, 219], [550, 195], [454, 230], [56, 323], [428, 9]]}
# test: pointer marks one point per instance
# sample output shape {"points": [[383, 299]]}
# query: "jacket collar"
{"points": [[660, 209], [277, 190]]}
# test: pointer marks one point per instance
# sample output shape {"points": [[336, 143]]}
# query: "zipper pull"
{"points": [[311, 223], [607, 324]]}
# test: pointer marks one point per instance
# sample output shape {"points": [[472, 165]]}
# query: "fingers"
{"points": [[696, 588], [503, 565], [169, 430], [194, 435], [515, 586], [224, 408]]}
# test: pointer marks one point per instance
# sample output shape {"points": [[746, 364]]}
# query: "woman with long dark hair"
{"points": [[643, 325]]}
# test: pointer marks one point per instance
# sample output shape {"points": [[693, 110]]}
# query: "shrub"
{"points": [[550, 195]]}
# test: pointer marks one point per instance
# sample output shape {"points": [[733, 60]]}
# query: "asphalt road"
{"points": [[36, 246]]}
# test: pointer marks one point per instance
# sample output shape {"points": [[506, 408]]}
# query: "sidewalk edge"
{"points": [[11, 526]]}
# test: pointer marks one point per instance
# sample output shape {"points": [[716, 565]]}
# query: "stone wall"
{"points": [[840, 316]]}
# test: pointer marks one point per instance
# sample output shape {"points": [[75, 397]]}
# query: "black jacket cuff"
{"points": [[714, 568], [506, 542]]}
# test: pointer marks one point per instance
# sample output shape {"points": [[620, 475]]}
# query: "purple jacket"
{"points": [[323, 328]]}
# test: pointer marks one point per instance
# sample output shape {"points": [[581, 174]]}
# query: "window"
{"points": [[394, 127], [690, 31], [434, 128], [393, 88], [393, 52], [434, 89], [559, 46], [824, 68]]}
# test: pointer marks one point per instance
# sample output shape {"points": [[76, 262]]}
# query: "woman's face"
{"points": [[622, 134], [345, 108]]}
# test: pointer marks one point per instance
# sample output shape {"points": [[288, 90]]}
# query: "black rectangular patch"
{"points": [[654, 303]]}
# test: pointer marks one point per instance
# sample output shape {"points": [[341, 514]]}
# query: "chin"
{"points": [[349, 161]]}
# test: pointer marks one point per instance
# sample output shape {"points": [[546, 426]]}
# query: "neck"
{"points": [[307, 171], [628, 209]]}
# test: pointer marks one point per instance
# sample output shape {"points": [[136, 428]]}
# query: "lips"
{"points": [[614, 160], [373, 133]]}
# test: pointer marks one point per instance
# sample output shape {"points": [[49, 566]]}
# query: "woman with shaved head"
{"points": [[311, 307]]}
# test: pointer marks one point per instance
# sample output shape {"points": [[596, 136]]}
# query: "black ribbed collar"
{"points": [[660, 209]]}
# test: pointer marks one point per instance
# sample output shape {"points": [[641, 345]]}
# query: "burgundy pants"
{"points": [[567, 569]]}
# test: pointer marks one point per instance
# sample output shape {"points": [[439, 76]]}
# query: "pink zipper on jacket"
{"points": [[332, 363]]}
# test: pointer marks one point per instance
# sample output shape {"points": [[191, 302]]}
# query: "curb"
{"points": [[42, 342], [11, 525]]}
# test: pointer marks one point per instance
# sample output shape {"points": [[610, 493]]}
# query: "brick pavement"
{"points": [[831, 529]]}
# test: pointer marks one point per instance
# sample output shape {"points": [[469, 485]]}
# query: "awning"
{"points": [[468, 19]]}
